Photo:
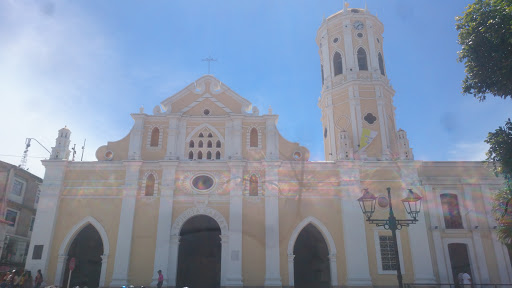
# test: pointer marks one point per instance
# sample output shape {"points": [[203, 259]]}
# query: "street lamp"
{"points": [[412, 204]]}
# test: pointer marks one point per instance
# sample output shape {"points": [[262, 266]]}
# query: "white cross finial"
{"points": [[209, 60]]}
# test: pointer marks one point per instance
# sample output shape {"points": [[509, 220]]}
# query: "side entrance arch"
{"points": [[312, 256], [88, 243]]}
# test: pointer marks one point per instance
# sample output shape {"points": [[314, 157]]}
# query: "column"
{"points": [[418, 236], [354, 230], [374, 63], [124, 235], [272, 137], [237, 138], [500, 250], [163, 235], [172, 139], [46, 217], [61, 262], [326, 59], [430, 201], [477, 238], [332, 130], [135, 146], [234, 275], [272, 259], [349, 48]]}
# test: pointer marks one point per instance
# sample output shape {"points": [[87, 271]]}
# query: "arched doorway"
{"points": [[87, 249], [311, 261], [199, 255]]}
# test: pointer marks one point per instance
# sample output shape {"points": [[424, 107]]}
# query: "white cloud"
{"points": [[52, 58], [468, 151]]}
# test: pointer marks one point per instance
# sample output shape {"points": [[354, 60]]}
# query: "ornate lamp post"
{"points": [[412, 204]]}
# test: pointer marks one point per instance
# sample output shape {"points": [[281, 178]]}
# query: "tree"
{"points": [[485, 34], [500, 156]]}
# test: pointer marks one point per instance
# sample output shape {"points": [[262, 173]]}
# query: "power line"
{"points": [[7, 155]]}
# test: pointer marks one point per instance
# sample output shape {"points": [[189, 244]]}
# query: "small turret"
{"points": [[61, 149], [346, 151], [405, 153]]}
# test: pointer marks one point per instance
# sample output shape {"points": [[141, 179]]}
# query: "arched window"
{"points": [[210, 135], [190, 155], [209, 144], [253, 185], [155, 136], [200, 145], [191, 144], [254, 138], [381, 64], [217, 145], [337, 63], [201, 135], [322, 71], [451, 211], [217, 155], [150, 185], [199, 155], [209, 155], [362, 62]]}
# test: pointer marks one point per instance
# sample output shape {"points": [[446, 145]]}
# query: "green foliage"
{"points": [[500, 155], [485, 33]]}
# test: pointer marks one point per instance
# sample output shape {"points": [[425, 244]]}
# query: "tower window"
{"points": [[362, 62], [359, 35], [335, 40], [337, 63], [370, 118], [254, 138], [150, 185], [381, 64], [325, 132], [322, 71]]}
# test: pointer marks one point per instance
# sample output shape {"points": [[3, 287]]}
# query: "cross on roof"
{"points": [[209, 60]]}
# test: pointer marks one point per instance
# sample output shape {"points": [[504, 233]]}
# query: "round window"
{"points": [[370, 118], [203, 182], [206, 112], [109, 155], [297, 155], [360, 35], [336, 40]]}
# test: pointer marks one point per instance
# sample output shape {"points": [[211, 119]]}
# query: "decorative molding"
{"points": [[156, 189], [191, 212], [150, 133]]}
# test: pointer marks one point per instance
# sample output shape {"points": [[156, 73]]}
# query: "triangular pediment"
{"points": [[206, 93]]}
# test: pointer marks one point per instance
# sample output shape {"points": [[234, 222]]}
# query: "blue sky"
{"points": [[89, 64]]}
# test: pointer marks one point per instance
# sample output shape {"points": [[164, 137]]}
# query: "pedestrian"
{"points": [[39, 279], [466, 279], [27, 283], [459, 279], [160, 279]]}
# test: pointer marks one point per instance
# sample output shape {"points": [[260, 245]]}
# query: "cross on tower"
{"points": [[209, 60]]}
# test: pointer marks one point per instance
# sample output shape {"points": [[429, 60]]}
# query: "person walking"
{"points": [[39, 279], [160, 279], [27, 283]]}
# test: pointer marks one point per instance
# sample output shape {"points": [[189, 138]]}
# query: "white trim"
{"points": [[175, 235], [66, 243], [378, 255], [328, 240], [475, 276]]}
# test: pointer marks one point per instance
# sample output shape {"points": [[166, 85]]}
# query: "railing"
{"points": [[453, 285]]}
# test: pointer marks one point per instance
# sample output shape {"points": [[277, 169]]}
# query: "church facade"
{"points": [[207, 190]]}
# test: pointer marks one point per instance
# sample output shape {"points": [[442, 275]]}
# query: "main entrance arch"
{"points": [[312, 256], [87, 242], [198, 247]]}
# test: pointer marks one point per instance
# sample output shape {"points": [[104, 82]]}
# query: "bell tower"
{"points": [[356, 98]]}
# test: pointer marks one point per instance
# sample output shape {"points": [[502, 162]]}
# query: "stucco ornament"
{"points": [[189, 213]]}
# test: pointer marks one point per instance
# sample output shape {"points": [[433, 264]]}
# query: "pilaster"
{"points": [[431, 201], [46, 216], [418, 236], [124, 235], [272, 137], [172, 138], [234, 275], [272, 257], [354, 227], [135, 146], [163, 236]]}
